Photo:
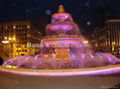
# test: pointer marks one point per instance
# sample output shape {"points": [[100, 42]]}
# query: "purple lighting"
{"points": [[108, 70], [64, 52], [61, 16], [59, 27]]}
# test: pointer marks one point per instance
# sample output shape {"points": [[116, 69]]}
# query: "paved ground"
{"points": [[11, 81]]}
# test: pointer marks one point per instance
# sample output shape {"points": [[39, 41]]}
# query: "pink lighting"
{"points": [[64, 52], [62, 16], [63, 27], [69, 72]]}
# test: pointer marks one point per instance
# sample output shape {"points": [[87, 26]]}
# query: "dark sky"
{"points": [[85, 10]]}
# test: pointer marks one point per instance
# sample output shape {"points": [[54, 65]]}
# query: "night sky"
{"points": [[85, 11]]}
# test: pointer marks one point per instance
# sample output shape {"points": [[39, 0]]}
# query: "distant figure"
{"points": [[1, 61]]}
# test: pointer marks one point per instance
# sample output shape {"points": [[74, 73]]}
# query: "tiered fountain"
{"points": [[64, 51]]}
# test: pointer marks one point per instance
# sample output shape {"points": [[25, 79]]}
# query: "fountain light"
{"points": [[86, 42], [11, 67]]}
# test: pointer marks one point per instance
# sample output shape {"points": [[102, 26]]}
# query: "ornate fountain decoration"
{"points": [[63, 37], [60, 35]]}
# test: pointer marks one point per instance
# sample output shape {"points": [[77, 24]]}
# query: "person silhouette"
{"points": [[1, 61]]}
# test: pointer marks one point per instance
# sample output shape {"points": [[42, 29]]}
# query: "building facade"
{"points": [[17, 37], [107, 39]]}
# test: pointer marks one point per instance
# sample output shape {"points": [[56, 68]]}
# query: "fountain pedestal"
{"points": [[62, 54]]}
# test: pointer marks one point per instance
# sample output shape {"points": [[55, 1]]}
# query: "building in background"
{"points": [[107, 39], [17, 38]]}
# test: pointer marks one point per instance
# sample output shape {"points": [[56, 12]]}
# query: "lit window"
{"points": [[5, 38], [6, 27], [10, 38], [28, 26], [14, 27], [14, 38]]}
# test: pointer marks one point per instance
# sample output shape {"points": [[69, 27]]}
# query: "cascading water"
{"points": [[63, 47]]}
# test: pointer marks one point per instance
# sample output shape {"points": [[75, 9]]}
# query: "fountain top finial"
{"points": [[61, 9]]}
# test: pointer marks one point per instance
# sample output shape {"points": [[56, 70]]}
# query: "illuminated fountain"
{"points": [[64, 48]]}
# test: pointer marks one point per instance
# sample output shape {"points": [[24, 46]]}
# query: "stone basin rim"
{"points": [[96, 71]]}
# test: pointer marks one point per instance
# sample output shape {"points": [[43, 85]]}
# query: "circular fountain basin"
{"points": [[105, 70]]}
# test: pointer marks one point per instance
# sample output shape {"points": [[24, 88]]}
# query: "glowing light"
{"points": [[14, 67], [28, 26], [5, 42], [113, 43], [88, 23], [5, 38], [61, 9], [113, 46], [48, 12], [86, 42], [63, 27], [10, 38], [14, 38], [61, 16], [9, 66], [46, 56], [14, 27]]}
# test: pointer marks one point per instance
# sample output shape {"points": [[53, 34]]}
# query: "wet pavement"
{"points": [[13, 81]]}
